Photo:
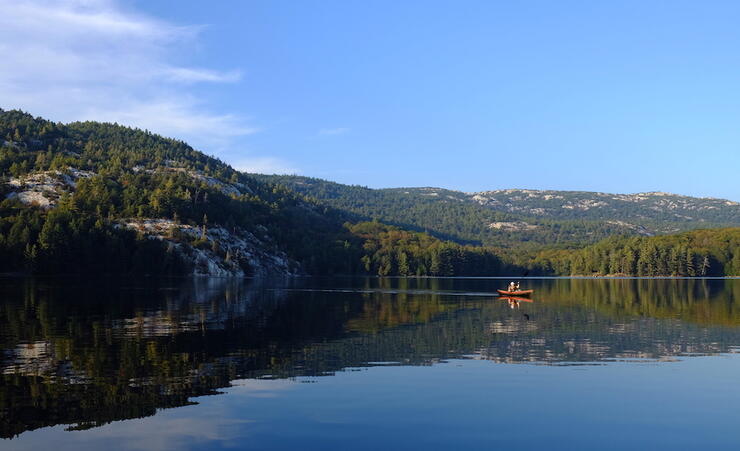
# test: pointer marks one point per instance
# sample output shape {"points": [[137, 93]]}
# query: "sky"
{"points": [[621, 96]]}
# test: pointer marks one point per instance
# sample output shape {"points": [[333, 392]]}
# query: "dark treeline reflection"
{"points": [[85, 353]]}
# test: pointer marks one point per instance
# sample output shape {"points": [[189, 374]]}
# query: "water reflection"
{"points": [[87, 353]]}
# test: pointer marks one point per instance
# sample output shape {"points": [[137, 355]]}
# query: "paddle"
{"points": [[526, 273]]}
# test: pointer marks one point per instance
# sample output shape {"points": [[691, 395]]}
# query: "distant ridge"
{"points": [[521, 217], [598, 193], [546, 191]]}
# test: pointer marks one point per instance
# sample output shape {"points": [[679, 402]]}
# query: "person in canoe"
{"points": [[514, 289]]}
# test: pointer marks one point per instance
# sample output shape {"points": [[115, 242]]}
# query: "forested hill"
{"points": [[698, 253], [91, 196], [94, 197], [518, 217]]}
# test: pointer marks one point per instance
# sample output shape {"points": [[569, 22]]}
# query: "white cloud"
{"points": [[333, 131], [72, 60], [180, 117], [188, 75]]}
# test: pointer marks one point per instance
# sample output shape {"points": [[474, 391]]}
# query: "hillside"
{"points": [[101, 198], [519, 218]]}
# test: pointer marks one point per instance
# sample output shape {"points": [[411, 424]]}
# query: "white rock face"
{"points": [[35, 198], [43, 189], [512, 226], [241, 246], [549, 203]]}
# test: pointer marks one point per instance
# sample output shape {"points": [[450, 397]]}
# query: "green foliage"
{"points": [[711, 252], [141, 175], [138, 174], [67, 240], [390, 251]]}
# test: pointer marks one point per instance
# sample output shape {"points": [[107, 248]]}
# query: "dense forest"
{"points": [[519, 218], [130, 173], [388, 250], [448, 215], [92, 197], [714, 252]]}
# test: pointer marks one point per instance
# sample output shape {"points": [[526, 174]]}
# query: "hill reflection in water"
{"points": [[86, 353]]}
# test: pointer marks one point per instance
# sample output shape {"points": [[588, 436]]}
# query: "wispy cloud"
{"points": [[190, 75], [94, 60], [333, 131]]}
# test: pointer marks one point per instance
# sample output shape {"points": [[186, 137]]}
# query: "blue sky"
{"points": [[606, 96]]}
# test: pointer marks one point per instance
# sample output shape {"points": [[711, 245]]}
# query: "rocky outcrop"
{"points": [[213, 251], [216, 251], [43, 189], [512, 226]]}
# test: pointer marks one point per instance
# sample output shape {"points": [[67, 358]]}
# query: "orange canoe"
{"points": [[515, 293]]}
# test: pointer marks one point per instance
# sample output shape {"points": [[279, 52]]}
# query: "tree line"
{"points": [[699, 253], [388, 250]]}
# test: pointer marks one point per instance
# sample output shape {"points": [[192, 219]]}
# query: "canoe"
{"points": [[515, 293]]}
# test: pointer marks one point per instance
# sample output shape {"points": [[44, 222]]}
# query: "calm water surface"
{"points": [[368, 364]]}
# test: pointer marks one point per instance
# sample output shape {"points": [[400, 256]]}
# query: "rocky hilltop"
{"points": [[516, 216], [582, 204]]}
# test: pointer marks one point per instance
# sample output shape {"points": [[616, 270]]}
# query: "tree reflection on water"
{"points": [[86, 353]]}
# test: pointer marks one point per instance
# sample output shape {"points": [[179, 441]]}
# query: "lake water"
{"points": [[368, 364]]}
